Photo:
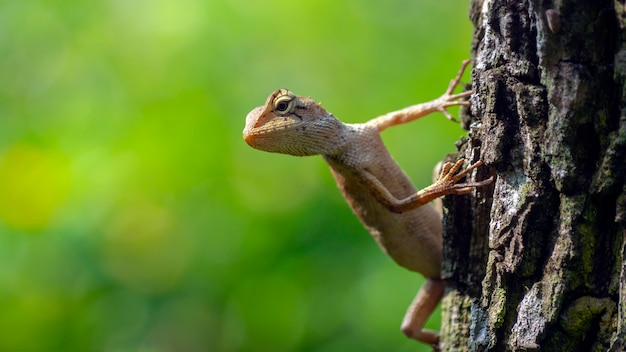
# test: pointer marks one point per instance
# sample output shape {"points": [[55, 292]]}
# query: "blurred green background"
{"points": [[133, 217]]}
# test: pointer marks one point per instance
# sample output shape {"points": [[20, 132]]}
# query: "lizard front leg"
{"points": [[446, 184], [420, 110]]}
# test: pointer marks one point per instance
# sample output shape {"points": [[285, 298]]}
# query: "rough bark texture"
{"points": [[536, 263]]}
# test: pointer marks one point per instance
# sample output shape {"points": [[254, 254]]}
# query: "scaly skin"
{"points": [[378, 191]]}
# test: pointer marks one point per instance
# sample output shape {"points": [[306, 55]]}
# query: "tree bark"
{"points": [[536, 262]]}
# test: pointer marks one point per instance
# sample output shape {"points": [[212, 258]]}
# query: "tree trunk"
{"points": [[536, 263]]}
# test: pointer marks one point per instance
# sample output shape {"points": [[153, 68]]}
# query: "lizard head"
{"points": [[291, 124]]}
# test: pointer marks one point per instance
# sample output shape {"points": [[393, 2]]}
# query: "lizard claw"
{"points": [[449, 99], [449, 178], [447, 114], [455, 82]]}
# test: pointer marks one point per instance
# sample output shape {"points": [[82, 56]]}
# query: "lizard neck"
{"points": [[327, 136], [349, 143]]}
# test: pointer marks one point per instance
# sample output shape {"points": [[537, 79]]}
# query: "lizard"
{"points": [[379, 192]]}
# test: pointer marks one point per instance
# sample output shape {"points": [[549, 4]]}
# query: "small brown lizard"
{"points": [[375, 187]]}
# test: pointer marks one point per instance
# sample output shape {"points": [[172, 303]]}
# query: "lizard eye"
{"points": [[284, 104]]}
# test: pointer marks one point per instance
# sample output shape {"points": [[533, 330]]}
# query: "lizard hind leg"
{"points": [[420, 310]]}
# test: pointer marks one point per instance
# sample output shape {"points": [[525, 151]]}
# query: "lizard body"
{"points": [[376, 188], [406, 237]]}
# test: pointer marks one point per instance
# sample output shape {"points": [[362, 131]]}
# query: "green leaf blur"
{"points": [[133, 217]]}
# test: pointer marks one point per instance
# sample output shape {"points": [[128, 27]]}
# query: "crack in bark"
{"points": [[551, 101]]}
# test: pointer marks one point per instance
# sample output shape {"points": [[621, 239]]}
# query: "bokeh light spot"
{"points": [[145, 249], [33, 185]]}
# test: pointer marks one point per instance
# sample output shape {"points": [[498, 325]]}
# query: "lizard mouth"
{"points": [[254, 136]]}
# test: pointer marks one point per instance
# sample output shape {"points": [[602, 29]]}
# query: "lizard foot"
{"points": [[447, 183], [449, 98]]}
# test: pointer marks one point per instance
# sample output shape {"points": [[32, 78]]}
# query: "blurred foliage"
{"points": [[134, 218]]}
